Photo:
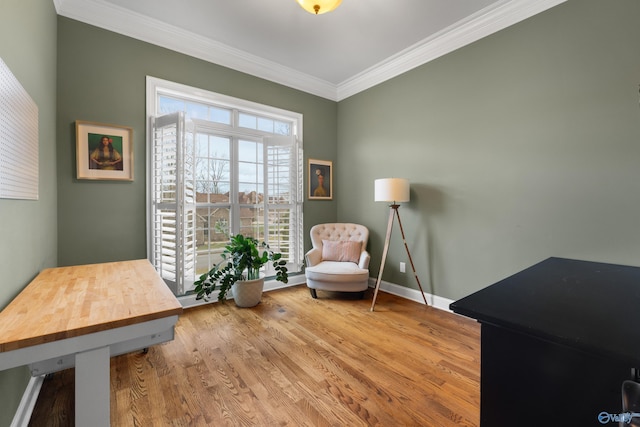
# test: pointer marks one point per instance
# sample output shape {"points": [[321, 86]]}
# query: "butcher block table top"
{"points": [[67, 302]]}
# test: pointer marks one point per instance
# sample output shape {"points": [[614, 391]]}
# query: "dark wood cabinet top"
{"points": [[590, 306]]}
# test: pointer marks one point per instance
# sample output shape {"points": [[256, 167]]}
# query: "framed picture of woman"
{"points": [[320, 179], [104, 151]]}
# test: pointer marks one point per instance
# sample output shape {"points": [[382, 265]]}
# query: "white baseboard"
{"points": [[413, 294], [28, 402], [401, 291]]}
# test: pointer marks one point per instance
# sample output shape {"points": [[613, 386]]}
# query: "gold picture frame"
{"points": [[320, 179], [104, 151]]}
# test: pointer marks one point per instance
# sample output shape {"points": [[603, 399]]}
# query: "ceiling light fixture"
{"points": [[318, 7]]}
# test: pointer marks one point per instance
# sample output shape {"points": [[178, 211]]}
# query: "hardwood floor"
{"points": [[295, 361]]}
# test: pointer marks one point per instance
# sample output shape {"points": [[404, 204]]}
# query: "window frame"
{"points": [[158, 87]]}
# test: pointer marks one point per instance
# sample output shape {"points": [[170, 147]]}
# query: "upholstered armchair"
{"points": [[339, 260]]}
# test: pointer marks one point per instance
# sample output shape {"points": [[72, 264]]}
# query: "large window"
{"points": [[219, 166]]}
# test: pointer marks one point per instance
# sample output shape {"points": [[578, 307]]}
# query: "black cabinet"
{"points": [[560, 341]]}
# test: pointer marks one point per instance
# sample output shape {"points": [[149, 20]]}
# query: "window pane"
{"points": [[202, 145], [213, 168], [220, 115], [212, 229], [221, 192], [265, 124], [252, 222], [247, 151], [219, 175], [281, 128], [197, 111], [219, 147], [168, 105], [250, 173], [247, 121], [250, 194]]}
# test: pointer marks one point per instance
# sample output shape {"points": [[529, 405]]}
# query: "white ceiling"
{"points": [[335, 55]]}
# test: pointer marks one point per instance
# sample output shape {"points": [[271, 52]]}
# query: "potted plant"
{"points": [[239, 271]]}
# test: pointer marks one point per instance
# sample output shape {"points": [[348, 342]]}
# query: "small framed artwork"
{"points": [[104, 151], [320, 180]]}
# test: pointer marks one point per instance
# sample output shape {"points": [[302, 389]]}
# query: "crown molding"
{"points": [[123, 21], [482, 24], [132, 24]]}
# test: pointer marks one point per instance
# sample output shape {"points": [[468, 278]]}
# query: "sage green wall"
{"points": [[521, 146], [102, 79], [28, 228]]}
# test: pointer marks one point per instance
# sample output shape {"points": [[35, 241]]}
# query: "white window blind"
{"points": [[18, 139]]}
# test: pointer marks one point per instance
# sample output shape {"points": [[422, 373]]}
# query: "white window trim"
{"points": [[154, 84]]}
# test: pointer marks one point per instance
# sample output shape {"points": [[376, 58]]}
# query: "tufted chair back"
{"points": [[339, 231]]}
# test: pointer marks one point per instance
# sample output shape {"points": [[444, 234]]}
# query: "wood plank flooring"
{"points": [[295, 361]]}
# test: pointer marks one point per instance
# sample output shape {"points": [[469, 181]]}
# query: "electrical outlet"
{"points": [[403, 267]]}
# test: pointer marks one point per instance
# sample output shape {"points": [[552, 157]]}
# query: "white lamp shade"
{"points": [[392, 190]]}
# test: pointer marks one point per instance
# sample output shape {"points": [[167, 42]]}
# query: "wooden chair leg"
{"points": [[314, 295]]}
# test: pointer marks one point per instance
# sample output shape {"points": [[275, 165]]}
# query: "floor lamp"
{"points": [[394, 190]]}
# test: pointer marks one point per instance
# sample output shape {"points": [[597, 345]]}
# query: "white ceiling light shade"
{"points": [[318, 7]]}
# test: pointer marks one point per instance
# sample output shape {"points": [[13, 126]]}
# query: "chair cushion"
{"points": [[337, 271], [341, 250]]}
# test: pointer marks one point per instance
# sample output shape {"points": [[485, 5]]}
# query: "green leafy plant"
{"points": [[242, 259]]}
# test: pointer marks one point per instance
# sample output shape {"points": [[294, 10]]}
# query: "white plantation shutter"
{"points": [[284, 198], [172, 213]]}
